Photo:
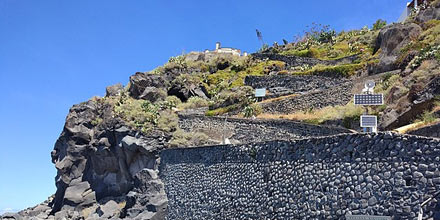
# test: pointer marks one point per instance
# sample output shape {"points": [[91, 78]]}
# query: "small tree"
{"points": [[379, 24]]}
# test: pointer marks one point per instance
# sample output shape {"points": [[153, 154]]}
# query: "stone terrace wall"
{"points": [[428, 131], [250, 131], [318, 178], [299, 61], [294, 83], [340, 95]]}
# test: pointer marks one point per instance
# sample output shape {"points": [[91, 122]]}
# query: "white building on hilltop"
{"points": [[225, 50], [410, 6]]}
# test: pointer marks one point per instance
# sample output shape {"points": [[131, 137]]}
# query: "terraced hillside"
{"points": [[108, 154]]}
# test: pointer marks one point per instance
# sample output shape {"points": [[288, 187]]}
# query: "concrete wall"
{"points": [[318, 178]]}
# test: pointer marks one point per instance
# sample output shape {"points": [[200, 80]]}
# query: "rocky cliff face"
{"points": [[108, 170]]}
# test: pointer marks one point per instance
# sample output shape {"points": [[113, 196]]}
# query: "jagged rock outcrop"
{"points": [[155, 87], [429, 14], [105, 171], [113, 90], [186, 90], [140, 81], [390, 41], [419, 102]]}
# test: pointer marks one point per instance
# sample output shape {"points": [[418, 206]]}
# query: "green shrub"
{"points": [[252, 110], [388, 80], [137, 113], [168, 121], [299, 53], [426, 54], [182, 138], [338, 70], [194, 102], [180, 60], [170, 102], [428, 117], [97, 121], [239, 95], [379, 24], [222, 110]]}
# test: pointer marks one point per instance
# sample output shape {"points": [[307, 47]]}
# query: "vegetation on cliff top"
{"points": [[222, 77]]}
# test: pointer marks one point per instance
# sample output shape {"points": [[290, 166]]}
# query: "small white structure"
{"points": [[225, 50], [410, 6]]}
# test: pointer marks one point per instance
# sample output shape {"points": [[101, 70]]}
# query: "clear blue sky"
{"points": [[55, 53]]}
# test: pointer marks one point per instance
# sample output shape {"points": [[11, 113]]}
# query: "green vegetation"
{"points": [[97, 121], [379, 24], [347, 113], [194, 102], [338, 70], [252, 110], [171, 102], [426, 45], [222, 110], [427, 53], [428, 117], [182, 138], [167, 121], [230, 78], [323, 43]]}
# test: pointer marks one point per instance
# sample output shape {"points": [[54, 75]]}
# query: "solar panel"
{"points": [[260, 92], [368, 121], [368, 99]]}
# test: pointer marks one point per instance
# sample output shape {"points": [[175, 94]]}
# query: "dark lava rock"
{"points": [[140, 81], [113, 90], [428, 14], [390, 41]]}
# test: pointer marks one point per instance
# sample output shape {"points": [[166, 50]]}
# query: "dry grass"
{"points": [[414, 126]]}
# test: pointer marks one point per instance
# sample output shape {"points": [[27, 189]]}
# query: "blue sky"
{"points": [[55, 53]]}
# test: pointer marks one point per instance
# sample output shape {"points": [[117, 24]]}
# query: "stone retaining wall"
{"points": [[294, 83], [340, 95], [250, 131], [299, 61], [428, 131], [318, 178]]}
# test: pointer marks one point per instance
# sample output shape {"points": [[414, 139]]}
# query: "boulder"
{"points": [[109, 210], [79, 193], [140, 81], [186, 91], [428, 14], [113, 90], [11, 216], [420, 102], [153, 94], [390, 41]]}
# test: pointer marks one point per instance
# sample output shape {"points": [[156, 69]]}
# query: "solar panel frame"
{"points": [[368, 99], [368, 121], [260, 92]]}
